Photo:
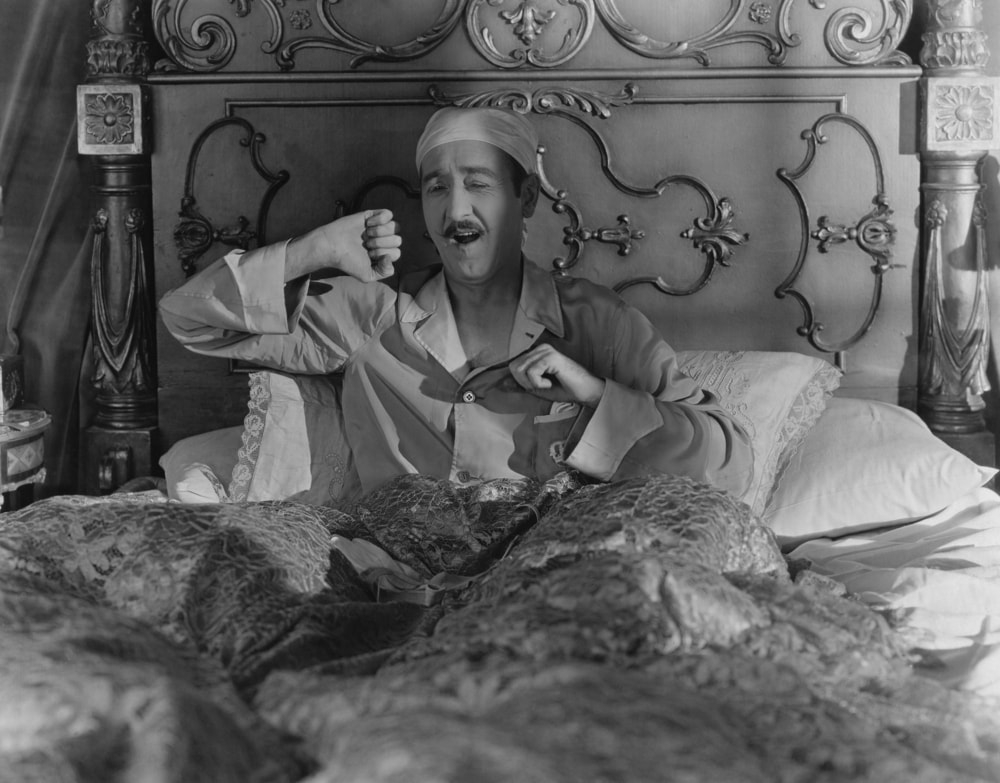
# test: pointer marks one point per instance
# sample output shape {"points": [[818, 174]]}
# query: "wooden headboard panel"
{"points": [[747, 173]]}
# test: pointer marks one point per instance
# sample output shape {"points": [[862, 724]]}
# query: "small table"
{"points": [[22, 453]]}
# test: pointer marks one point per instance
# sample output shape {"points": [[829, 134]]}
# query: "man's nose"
{"points": [[458, 205]]}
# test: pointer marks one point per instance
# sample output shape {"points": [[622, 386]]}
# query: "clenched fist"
{"points": [[364, 245], [547, 373]]}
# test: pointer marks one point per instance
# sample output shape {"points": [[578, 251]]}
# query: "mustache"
{"points": [[462, 225]]}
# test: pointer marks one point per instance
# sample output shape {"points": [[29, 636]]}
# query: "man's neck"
{"points": [[499, 294], [484, 315]]}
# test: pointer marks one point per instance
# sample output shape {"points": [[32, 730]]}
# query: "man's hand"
{"points": [[545, 372], [364, 245]]}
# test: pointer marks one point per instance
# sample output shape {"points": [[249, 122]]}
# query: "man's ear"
{"points": [[530, 189]]}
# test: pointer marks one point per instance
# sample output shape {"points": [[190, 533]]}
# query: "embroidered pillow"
{"points": [[776, 396], [293, 443]]}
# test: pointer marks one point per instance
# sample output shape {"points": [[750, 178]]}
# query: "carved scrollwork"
{"points": [[208, 42], [854, 38], [194, 234], [874, 235], [697, 47], [528, 22], [363, 51], [541, 101], [208, 45], [714, 235]]}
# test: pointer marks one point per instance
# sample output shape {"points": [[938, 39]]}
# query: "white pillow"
{"points": [[293, 442], [193, 465], [864, 465], [776, 396]]}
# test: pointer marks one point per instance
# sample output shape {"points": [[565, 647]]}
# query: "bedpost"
{"points": [[959, 123], [112, 129]]}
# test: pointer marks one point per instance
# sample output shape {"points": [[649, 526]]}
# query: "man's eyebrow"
{"points": [[466, 171]]}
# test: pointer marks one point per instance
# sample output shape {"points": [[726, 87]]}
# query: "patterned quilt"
{"points": [[647, 630]]}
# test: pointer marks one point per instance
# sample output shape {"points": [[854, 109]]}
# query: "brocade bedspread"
{"points": [[647, 630]]}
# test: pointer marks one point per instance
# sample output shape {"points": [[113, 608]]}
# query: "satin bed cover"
{"points": [[938, 578]]}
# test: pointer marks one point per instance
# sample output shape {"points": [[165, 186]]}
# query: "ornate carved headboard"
{"points": [[747, 173]]}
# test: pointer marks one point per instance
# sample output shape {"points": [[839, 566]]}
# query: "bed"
{"points": [[787, 196]]}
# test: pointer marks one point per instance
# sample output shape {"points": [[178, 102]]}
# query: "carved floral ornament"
{"points": [[964, 113], [521, 33], [109, 119], [961, 113]]}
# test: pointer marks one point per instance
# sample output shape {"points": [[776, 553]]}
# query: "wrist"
{"points": [[298, 251], [595, 395]]}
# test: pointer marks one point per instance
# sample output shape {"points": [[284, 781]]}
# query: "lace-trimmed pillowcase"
{"points": [[293, 444], [777, 396]]}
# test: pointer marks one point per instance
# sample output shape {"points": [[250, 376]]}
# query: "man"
{"points": [[486, 367]]}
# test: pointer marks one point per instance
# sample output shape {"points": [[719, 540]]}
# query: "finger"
{"points": [[537, 373], [390, 254], [383, 266], [389, 229], [377, 217], [386, 242], [516, 368]]}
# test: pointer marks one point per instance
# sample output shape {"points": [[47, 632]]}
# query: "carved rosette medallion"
{"points": [[960, 113], [110, 119], [760, 13]]}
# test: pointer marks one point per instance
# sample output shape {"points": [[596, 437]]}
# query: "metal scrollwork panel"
{"points": [[873, 233], [195, 233], [714, 234]]}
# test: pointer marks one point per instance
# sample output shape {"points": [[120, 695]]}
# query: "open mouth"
{"points": [[464, 236]]}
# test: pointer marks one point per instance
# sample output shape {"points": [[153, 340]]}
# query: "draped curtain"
{"points": [[44, 253]]}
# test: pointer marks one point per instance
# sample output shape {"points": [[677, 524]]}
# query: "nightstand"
{"points": [[22, 455]]}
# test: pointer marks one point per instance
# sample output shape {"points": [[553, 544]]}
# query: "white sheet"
{"points": [[940, 577]]}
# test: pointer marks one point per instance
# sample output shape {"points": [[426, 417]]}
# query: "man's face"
{"points": [[473, 210]]}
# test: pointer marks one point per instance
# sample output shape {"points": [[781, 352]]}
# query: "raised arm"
{"points": [[256, 305]]}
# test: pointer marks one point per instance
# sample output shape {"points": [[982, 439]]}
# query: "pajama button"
{"points": [[468, 396]]}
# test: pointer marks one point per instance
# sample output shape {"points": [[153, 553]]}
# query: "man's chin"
{"points": [[467, 263]]}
